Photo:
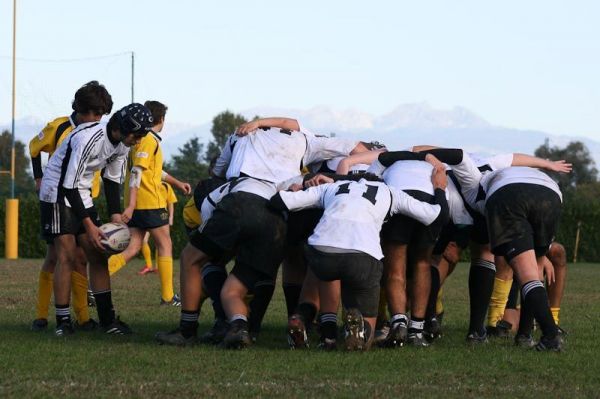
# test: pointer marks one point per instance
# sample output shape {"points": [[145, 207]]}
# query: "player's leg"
{"points": [[79, 292], [558, 257], [421, 287], [232, 297], [214, 275], [533, 294], [147, 254], [45, 287], [293, 274], [65, 248], [394, 264], [116, 262], [502, 285], [162, 238], [481, 285]]}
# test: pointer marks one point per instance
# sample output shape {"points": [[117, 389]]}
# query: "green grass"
{"points": [[93, 365]]}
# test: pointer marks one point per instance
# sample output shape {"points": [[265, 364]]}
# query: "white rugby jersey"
{"points": [[85, 151], [331, 165], [493, 181], [355, 211], [276, 155]]}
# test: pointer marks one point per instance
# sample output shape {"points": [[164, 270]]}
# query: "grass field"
{"points": [[93, 365]]}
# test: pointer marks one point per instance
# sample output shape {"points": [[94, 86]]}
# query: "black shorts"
{"points": [[452, 233], [242, 223], [360, 275], [521, 217], [404, 230], [301, 224], [149, 218], [58, 219], [251, 277]]}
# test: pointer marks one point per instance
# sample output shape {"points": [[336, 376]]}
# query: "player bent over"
{"points": [[68, 213], [358, 209]]}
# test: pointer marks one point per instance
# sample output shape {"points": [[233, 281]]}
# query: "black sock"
{"points": [[292, 296], [213, 277], [368, 331], [307, 312], [433, 294], [106, 312], [263, 292], [63, 314], [481, 285], [188, 323], [535, 298], [513, 295], [328, 325]]}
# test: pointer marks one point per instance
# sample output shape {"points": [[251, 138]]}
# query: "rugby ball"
{"points": [[117, 237]]}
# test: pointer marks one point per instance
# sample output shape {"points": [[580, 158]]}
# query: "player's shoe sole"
{"points": [[296, 333], [354, 331]]}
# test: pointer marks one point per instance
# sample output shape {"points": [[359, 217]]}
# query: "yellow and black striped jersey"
{"points": [[49, 139], [147, 155]]}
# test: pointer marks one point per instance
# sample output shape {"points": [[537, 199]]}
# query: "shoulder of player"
{"points": [[88, 134], [51, 128]]}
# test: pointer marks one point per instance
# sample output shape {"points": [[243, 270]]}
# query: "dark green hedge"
{"points": [[580, 206], [31, 246]]}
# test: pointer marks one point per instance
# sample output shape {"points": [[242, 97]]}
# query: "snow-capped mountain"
{"points": [[404, 126]]}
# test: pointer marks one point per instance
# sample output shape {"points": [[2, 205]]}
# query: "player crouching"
{"points": [[358, 209]]}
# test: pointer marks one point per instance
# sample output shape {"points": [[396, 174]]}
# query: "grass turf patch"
{"points": [[94, 365]]}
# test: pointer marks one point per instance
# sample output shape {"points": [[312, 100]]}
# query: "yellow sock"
{"points": [[165, 272], [45, 286], [555, 313], [439, 305], [498, 301], [147, 254], [115, 263], [79, 288]]}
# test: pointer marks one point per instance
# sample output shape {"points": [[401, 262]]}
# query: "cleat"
{"points": [[91, 300], [475, 338], [39, 325], [381, 334], [174, 338], [296, 333], [89, 325], [433, 329], [524, 341], [549, 344], [64, 329], [145, 270], [562, 333], [175, 301], [501, 330], [237, 336], [215, 335], [397, 335], [327, 344], [354, 331], [117, 327], [417, 339]]}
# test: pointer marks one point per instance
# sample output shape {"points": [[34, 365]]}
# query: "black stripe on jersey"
{"points": [[485, 168], [67, 158], [60, 131], [86, 151], [305, 149], [158, 138]]}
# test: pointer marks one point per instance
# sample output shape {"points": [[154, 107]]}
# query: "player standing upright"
{"points": [[91, 101], [68, 213]]}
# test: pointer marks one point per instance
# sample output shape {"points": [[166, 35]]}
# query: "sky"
{"points": [[521, 64]]}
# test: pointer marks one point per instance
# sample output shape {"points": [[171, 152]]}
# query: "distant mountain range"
{"points": [[406, 125]]}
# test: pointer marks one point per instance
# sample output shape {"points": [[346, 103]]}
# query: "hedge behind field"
{"points": [[582, 206]]}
